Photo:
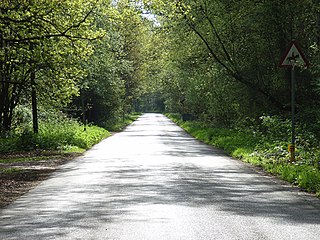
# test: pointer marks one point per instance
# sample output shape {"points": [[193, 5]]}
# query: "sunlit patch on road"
{"points": [[153, 181]]}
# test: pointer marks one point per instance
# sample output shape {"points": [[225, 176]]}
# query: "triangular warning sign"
{"points": [[293, 56]]}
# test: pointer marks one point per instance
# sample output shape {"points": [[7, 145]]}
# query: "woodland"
{"points": [[215, 59], [92, 62]]}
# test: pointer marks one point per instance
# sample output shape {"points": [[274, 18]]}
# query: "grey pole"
{"points": [[293, 131]]}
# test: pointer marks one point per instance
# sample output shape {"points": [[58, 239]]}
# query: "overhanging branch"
{"points": [[60, 33], [233, 73]]}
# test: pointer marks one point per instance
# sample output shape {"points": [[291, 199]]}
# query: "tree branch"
{"points": [[211, 50], [60, 33], [218, 38], [233, 73]]}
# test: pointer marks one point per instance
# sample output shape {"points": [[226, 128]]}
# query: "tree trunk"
{"points": [[34, 102]]}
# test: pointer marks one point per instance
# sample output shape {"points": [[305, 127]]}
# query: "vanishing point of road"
{"points": [[155, 182]]}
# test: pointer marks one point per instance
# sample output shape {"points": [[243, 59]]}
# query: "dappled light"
{"points": [[241, 77], [153, 181]]}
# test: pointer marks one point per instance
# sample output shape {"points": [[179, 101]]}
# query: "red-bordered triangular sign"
{"points": [[293, 55]]}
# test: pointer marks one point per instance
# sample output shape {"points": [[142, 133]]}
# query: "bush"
{"points": [[9, 144], [116, 125], [22, 119], [63, 134], [56, 132]]}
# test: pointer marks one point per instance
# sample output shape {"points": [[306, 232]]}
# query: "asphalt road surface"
{"points": [[153, 181]]}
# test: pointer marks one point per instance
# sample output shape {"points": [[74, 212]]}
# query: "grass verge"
{"points": [[59, 136], [262, 149], [63, 136]]}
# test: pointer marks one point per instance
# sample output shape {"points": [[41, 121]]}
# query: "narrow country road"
{"points": [[153, 181]]}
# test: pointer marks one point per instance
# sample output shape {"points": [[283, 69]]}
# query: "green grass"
{"points": [[56, 138], [66, 135], [74, 149], [264, 149], [119, 124], [23, 159], [11, 171], [61, 134]]}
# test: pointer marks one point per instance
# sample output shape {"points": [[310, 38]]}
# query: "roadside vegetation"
{"points": [[59, 133], [265, 145], [71, 76], [27, 158], [120, 124], [71, 65]]}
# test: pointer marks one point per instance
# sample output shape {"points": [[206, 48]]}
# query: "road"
{"points": [[153, 181]]}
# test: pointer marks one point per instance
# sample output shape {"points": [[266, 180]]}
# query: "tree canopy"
{"points": [[225, 56], [215, 59]]}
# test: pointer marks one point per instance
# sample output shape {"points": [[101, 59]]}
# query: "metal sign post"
{"points": [[293, 129], [292, 58]]}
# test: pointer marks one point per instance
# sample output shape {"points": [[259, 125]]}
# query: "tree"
{"points": [[41, 44], [116, 77], [132, 28], [243, 42]]}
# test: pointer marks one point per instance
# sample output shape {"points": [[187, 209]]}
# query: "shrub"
{"points": [[56, 132]]}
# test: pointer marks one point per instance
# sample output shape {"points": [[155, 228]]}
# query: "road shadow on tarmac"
{"points": [[185, 177]]}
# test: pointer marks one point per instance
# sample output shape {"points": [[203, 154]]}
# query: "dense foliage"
{"points": [[57, 132], [220, 58], [42, 43], [211, 60], [66, 61], [85, 58], [220, 65]]}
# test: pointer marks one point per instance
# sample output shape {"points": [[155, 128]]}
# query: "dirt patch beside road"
{"points": [[21, 172]]}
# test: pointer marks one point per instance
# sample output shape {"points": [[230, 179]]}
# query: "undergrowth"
{"points": [[59, 133], [265, 145], [117, 125], [11, 171]]}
